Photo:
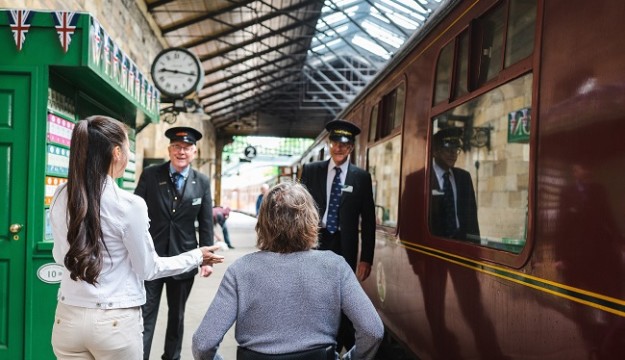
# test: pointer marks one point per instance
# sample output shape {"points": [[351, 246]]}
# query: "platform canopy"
{"points": [[285, 67]]}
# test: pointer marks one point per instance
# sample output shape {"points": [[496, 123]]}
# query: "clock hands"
{"points": [[174, 71]]}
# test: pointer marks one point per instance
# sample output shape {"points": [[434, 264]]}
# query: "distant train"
{"points": [[537, 90]]}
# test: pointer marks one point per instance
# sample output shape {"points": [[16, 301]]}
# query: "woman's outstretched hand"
{"points": [[208, 257]]}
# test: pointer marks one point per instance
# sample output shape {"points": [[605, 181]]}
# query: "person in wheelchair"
{"points": [[287, 298]]}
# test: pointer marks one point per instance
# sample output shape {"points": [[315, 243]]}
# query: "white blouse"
{"points": [[130, 258]]}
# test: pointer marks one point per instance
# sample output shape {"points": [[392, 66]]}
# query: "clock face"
{"points": [[176, 72]]}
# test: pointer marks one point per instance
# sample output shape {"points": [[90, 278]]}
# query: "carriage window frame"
{"points": [[501, 38], [502, 173], [387, 115], [384, 166], [384, 154]]}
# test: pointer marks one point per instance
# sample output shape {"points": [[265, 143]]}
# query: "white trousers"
{"points": [[82, 333]]}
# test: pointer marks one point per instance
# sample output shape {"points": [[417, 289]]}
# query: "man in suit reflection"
{"points": [[453, 207], [433, 272]]}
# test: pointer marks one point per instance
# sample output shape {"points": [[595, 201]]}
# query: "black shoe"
{"points": [[230, 247]]}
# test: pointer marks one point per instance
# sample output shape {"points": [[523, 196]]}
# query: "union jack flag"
{"points": [[131, 78], [65, 24], [144, 91], [124, 79], [117, 57], [106, 51], [20, 23], [156, 96], [138, 81], [96, 45], [148, 97]]}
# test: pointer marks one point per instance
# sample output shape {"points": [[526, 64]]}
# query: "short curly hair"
{"points": [[288, 220]]}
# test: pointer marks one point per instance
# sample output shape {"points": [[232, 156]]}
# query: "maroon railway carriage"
{"points": [[537, 90]]}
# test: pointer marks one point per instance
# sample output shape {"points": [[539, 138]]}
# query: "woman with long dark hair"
{"points": [[101, 237]]}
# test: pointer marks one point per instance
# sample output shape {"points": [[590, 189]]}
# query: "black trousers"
{"points": [[177, 292], [345, 337]]}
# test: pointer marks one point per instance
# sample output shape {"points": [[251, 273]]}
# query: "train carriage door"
{"points": [[14, 147]]}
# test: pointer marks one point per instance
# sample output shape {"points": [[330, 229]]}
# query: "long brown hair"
{"points": [[288, 220], [93, 141]]}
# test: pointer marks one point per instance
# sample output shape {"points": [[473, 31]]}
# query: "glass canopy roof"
{"points": [[354, 40]]}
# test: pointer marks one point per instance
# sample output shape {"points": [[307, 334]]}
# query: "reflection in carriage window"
{"points": [[453, 209], [384, 166], [483, 147], [384, 155]]}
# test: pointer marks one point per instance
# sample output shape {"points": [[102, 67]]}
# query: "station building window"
{"points": [[384, 154], [489, 136]]}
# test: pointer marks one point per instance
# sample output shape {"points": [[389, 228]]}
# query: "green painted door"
{"points": [[14, 160]]}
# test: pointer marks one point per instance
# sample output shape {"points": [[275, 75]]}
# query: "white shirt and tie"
{"points": [[440, 177], [329, 180]]}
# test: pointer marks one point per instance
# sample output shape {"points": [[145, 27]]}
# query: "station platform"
{"points": [[243, 238]]}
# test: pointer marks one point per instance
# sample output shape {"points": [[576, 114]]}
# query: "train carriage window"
{"points": [[461, 86], [384, 156], [444, 68], [384, 161], [489, 35], [521, 24], [400, 105], [373, 125], [476, 55], [388, 114], [484, 144]]}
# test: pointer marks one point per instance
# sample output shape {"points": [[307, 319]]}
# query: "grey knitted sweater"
{"points": [[284, 303]]}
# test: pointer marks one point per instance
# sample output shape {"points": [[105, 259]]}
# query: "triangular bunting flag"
{"points": [[116, 62], [124, 79], [20, 23], [96, 42], [65, 24], [106, 53]]}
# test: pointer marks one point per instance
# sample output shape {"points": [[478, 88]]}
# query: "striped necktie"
{"points": [[449, 206], [332, 222], [178, 181]]}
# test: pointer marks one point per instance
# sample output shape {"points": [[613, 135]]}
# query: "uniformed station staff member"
{"points": [[177, 196], [344, 196], [454, 208]]}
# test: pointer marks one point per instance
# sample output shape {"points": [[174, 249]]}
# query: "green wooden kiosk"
{"points": [[56, 67]]}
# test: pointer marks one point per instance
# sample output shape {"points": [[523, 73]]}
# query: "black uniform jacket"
{"points": [[466, 207], [172, 218], [355, 207]]}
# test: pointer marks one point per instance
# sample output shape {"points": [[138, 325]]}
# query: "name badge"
{"points": [[347, 188], [197, 201], [437, 192]]}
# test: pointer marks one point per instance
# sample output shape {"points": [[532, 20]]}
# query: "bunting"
{"points": [[105, 56], [65, 24], [20, 23], [144, 91], [138, 82], [106, 51], [131, 79], [96, 45], [124, 79], [148, 96], [116, 62], [156, 96]]}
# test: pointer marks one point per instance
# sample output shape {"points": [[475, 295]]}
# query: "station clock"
{"points": [[177, 72]]}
